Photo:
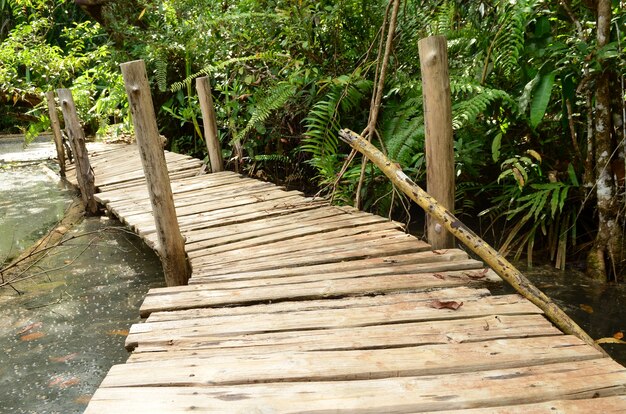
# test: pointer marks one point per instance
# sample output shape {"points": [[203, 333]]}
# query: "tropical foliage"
{"points": [[287, 74]]}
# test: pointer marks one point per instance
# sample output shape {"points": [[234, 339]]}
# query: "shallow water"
{"points": [[32, 201], [65, 328]]}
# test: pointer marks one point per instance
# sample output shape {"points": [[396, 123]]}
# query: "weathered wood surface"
{"points": [[396, 394], [438, 141], [297, 306]]}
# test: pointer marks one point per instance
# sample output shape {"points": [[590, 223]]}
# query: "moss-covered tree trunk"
{"points": [[606, 258]]}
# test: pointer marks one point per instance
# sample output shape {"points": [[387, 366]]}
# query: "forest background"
{"points": [[537, 91]]}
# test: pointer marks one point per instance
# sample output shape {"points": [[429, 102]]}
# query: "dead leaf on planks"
{"points": [[479, 274], [445, 304]]}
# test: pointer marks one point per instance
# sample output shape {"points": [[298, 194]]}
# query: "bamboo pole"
{"points": [[171, 246], [487, 253], [76, 135], [210, 124], [56, 131], [438, 127]]}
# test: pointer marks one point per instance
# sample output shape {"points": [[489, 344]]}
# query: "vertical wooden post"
{"points": [[56, 131], [171, 246], [76, 135], [210, 124], [438, 125]]}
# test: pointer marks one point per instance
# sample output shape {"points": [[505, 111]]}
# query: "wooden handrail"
{"points": [[470, 239]]}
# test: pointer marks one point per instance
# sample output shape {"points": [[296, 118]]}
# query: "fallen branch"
{"points": [[487, 253]]}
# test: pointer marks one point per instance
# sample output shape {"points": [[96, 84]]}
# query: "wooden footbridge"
{"points": [[296, 306]]}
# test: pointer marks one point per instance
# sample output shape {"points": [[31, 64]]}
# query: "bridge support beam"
{"points": [[171, 246]]}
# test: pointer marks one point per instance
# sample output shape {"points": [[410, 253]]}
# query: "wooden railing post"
{"points": [[171, 247], [210, 124], [76, 135], [438, 126], [56, 131]]}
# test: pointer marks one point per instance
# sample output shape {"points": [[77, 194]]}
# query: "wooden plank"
{"points": [[135, 176], [131, 164], [236, 232], [570, 380], [185, 196], [606, 405], [298, 239], [242, 214], [134, 173], [386, 264], [205, 204], [318, 255], [286, 282], [183, 342], [199, 182], [204, 296], [462, 293], [206, 213], [401, 312], [350, 365], [139, 181]]}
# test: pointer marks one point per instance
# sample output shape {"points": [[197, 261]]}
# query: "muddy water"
{"points": [[61, 331]]}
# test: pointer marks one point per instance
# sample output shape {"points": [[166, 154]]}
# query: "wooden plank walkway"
{"points": [[295, 306]]}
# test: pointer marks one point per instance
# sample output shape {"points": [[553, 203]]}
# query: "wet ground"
{"points": [[65, 328]]}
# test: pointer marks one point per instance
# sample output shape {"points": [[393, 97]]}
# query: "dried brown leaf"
{"points": [[586, 308], [449, 304]]}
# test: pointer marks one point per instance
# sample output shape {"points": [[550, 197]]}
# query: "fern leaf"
{"points": [[273, 101]]}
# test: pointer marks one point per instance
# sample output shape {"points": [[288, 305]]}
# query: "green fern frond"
{"points": [[272, 158], [323, 122], [444, 19], [402, 129], [276, 99], [473, 100], [509, 42], [160, 66]]}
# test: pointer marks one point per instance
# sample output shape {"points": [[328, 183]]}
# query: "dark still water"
{"points": [[600, 309]]}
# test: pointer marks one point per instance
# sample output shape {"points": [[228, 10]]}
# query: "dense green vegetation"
{"points": [[537, 91]]}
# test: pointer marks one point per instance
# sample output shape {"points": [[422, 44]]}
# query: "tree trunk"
{"points": [[606, 258]]}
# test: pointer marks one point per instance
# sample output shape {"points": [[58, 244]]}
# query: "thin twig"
{"points": [[378, 95]]}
